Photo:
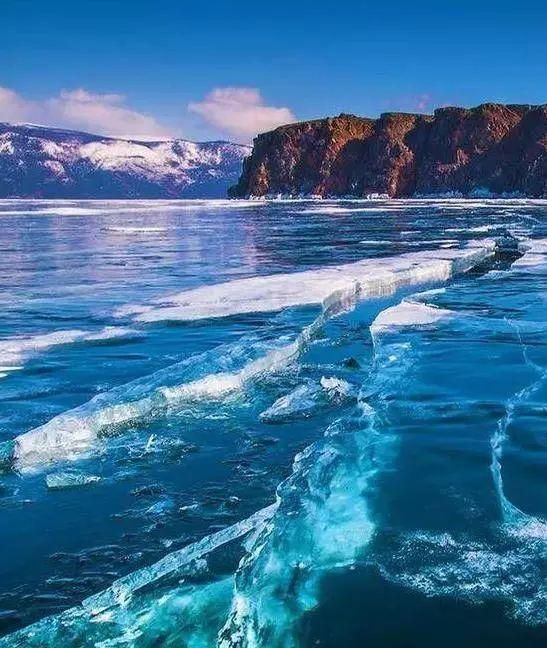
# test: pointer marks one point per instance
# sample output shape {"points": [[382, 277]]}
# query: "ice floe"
{"points": [[15, 350], [367, 278], [409, 314], [73, 433], [308, 399], [70, 479], [534, 256], [77, 432]]}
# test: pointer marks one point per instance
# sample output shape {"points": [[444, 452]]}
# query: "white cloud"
{"points": [[240, 111], [104, 114], [13, 107]]}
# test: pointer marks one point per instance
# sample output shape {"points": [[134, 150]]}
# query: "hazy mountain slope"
{"points": [[51, 163]]}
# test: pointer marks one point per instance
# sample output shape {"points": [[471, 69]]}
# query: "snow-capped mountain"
{"points": [[40, 162]]}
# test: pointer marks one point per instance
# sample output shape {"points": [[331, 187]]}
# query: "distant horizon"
{"points": [[225, 140]]}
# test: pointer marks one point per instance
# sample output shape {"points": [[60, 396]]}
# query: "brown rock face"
{"points": [[493, 147]]}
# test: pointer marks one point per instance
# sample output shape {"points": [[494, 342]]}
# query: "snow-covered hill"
{"points": [[40, 162]]}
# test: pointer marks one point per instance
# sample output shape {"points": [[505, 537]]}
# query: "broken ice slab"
{"points": [[70, 479]]}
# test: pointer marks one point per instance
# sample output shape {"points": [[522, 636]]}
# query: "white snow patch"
{"points": [[409, 314]]}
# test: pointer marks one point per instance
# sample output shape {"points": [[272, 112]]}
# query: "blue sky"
{"points": [[208, 69]]}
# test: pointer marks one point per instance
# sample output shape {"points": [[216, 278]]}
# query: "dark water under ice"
{"points": [[328, 458]]}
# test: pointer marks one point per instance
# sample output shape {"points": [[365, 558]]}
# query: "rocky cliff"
{"points": [[492, 148], [39, 162]]}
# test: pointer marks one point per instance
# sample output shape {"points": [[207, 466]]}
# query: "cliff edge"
{"points": [[493, 148]]}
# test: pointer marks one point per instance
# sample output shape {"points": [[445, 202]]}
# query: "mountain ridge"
{"points": [[42, 162]]}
